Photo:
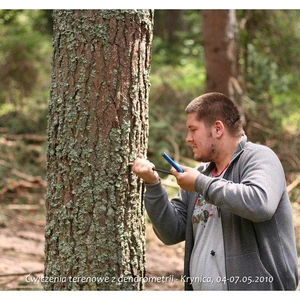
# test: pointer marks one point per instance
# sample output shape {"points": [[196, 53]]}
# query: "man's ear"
{"points": [[219, 128]]}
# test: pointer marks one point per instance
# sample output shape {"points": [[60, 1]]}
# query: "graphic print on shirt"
{"points": [[203, 211]]}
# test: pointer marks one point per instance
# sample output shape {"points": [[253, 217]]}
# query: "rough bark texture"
{"points": [[98, 122], [221, 49]]}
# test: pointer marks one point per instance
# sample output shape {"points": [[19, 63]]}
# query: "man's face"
{"points": [[200, 138]]}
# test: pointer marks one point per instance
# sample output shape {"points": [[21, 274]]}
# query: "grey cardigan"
{"points": [[257, 220]]}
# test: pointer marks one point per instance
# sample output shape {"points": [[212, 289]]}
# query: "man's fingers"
{"points": [[144, 169], [142, 165]]}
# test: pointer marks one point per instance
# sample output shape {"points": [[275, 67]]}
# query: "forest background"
{"points": [[269, 60]]}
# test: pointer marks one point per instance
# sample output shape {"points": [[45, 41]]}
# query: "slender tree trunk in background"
{"points": [[167, 24], [98, 122], [221, 49], [173, 24]]}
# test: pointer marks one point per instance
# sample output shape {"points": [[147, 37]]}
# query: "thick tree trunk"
{"points": [[98, 122], [221, 49]]}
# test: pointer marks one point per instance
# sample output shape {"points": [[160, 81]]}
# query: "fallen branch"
{"points": [[5, 164], [21, 220], [21, 274], [293, 184], [33, 138], [13, 185], [23, 206], [12, 279], [32, 179]]}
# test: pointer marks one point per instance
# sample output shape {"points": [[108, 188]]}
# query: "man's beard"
{"points": [[207, 158]]}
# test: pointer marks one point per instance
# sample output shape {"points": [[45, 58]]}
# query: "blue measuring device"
{"points": [[172, 162]]}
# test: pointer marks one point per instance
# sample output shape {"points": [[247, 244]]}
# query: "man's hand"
{"points": [[144, 169], [187, 179]]}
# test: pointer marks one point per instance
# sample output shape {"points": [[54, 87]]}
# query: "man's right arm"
{"points": [[168, 217]]}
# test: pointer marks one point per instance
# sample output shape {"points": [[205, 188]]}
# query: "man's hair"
{"points": [[211, 107]]}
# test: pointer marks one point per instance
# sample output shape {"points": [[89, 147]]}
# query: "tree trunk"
{"points": [[98, 122], [221, 49]]}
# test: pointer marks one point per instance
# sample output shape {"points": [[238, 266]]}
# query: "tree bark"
{"points": [[221, 49], [98, 122]]}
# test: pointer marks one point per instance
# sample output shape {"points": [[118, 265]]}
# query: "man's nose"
{"points": [[188, 138]]}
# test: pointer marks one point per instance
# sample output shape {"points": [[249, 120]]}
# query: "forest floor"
{"points": [[22, 253]]}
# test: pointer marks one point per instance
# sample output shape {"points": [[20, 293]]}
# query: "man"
{"points": [[233, 211]]}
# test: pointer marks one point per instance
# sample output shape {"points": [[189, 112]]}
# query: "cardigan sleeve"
{"points": [[168, 217], [257, 194]]}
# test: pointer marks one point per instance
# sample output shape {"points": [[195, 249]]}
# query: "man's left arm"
{"points": [[257, 195]]}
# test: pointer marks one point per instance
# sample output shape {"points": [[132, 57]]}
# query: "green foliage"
{"points": [[25, 53], [264, 82], [286, 109], [173, 87], [177, 38], [270, 60], [274, 34], [177, 77]]}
